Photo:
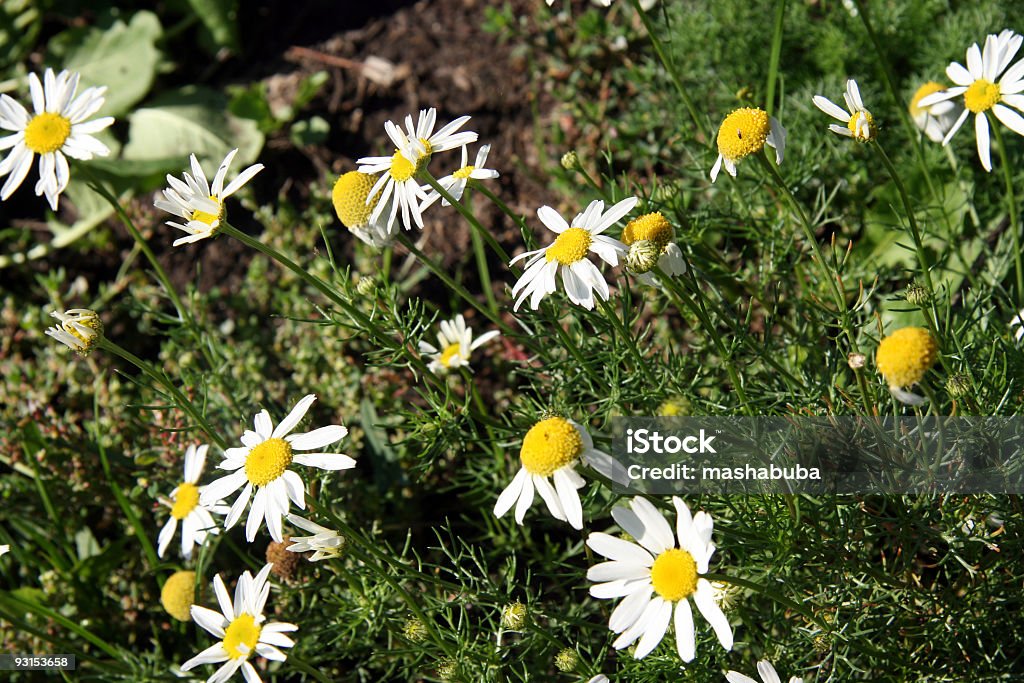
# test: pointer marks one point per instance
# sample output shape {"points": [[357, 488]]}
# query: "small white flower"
{"points": [[552, 448], [860, 125], [983, 89], [398, 187], [242, 629], [58, 129], [455, 184], [79, 329], [4, 549], [263, 461], [657, 576], [569, 251], [1018, 322], [199, 203], [936, 120], [455, 345], [765, 670], [196, 519], [326, 543], [655, 229]]}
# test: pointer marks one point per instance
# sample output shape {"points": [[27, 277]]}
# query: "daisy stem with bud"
{"points": [[1011, 199]]}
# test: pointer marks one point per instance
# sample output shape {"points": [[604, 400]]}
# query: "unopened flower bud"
{"points": [[567, 660], [513, 616], [917, 295], [570, 160], [958, 385]]}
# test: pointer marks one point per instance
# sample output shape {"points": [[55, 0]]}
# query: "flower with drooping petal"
{"points": [[455, 184], [262, 463], [199, 203], [987, 85], [903, 358], [568, 253], [657, 576], [552, 448], [655, 228], [455, 345], [326, 543], [196, 519], [860, 124], [56, 130], [80, 329], [355, 205], [242, 628], [744, 132], [765, 670]]}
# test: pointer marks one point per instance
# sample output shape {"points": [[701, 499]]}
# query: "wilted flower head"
{"points": [[903, 358], [744, 132], [355, 207], [178, 594], [79, 329], [326, 543]]}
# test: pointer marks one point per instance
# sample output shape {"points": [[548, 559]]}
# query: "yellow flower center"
{"points": [[47, 132], [924, 91], [743, 132], [674, 575], [981, 96], [449, 353], [652, 227], [906, 355], [402, 169], [241, 636], [268, 461], [570, 247], [858, 130], [464, 172], [550, 445], [178, 594], [349, 196], [185, 500], [209, 218]]}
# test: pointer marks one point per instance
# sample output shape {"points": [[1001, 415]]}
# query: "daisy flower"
{"points": [[354, 205], [860, 125], [242, 629], [455, 344], [196, 520], [657, 576], [744, 132], [398, 184], [79, 329], [765, 670], [327, 543], [455, 184], [56, 130], [197, 202], [569, 250], [936, 120], [903, 358], [263, 461], [655, 228], [1018, 322], [552, 448]]}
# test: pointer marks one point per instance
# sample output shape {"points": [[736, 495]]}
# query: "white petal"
{"points": [[318, 438], [511, 493], [1010, 118], [209, 620], [984, 149], [618, 549], [655, 629], [629, 610], [325, 461], [525, 499], [294, 417], [830, 108], [767, 672], [705, 600], [548, 495], [569, 499], [263, 425], [685, 642], [552, 219], [617, 571]]}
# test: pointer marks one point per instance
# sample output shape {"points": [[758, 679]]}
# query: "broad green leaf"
{"points": [[192, 120], [123, 57]]}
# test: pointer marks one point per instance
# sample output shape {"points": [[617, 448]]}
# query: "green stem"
{"points": [[773, 63], [483, 271], [468, 215], [1011, 199], [623, 331]]}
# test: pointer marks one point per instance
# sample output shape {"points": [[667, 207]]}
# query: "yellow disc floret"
{"points": [[652, 227], [47, 132], [981, 96], [674, 575], [185, 500], [241, 636], [178, 594], [349, 196], [210, 218], [464, 173], [905, 355], [571, 246], [742, 133], [449, 353], [268, 461], [924, 91], [862, 125], [550, 445], [402, 169]]}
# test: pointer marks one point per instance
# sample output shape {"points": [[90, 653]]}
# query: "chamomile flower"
{"points": [[455, 184], [199, 203], [56, 130], [657, 577], [744, 132], [355, 205], [455, 345], [903, 358], [1018, 322], [399, 184], [242, 629], [552, 448], [178, 595], [196, 519], [79, 329], [937, 119], [655, 228], [569, 251], [326, 543], [987, 85], [765, 670], [860, 125], [262, 462]]}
